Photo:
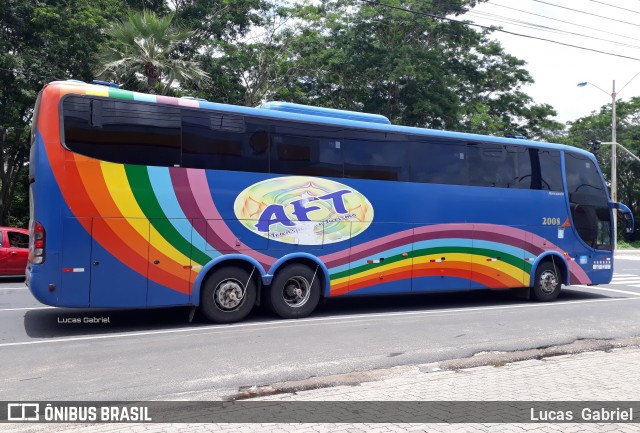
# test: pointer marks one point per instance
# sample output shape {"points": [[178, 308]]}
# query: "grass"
{"points": [[624, 245]]}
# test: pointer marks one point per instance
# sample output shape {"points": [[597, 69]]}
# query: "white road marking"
{"points": [[13, 288], [304, 322], [607, 290], [26, 308], [625, 279]]}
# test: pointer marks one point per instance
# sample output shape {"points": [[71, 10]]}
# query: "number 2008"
{"points": [[550, 221]]}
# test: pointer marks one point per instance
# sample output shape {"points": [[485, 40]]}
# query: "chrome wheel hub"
{"points": [[296, 291], [229, 294], [548, 282]]}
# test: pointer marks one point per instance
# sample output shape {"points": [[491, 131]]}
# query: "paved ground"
{"points": [[553, 374], [588, 370]]}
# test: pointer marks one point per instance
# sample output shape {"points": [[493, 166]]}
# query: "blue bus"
{"points": [[149, 201]]}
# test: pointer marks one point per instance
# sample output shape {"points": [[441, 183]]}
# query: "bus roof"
{"points": [[304, 113]]}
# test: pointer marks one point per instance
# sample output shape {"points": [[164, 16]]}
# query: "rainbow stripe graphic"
{"points": [[493, 256]]}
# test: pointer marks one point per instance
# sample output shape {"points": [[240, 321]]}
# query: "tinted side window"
{"points": [[306, 150], [380, 156], [491, 165], [222, 141], [18, 240], [122, 131], [520, 167], [550, 170], [438, 161], [523, 170]]}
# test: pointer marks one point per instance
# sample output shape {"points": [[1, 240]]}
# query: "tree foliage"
{"points": [[147, 45], [40, 42], [411, 67]]}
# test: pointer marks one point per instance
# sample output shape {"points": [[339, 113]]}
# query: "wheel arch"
{"points": [[240, 260], [306, 259], [552, 257]]}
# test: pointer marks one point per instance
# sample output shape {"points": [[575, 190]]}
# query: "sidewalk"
{"points": [[627, 252], [610, 372]]}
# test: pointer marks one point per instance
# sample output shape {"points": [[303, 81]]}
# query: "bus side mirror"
{"points": [[627, 216]]}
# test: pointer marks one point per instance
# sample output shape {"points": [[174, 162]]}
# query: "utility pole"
{"points": [[614, 168]]}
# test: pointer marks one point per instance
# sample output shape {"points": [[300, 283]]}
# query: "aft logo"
{"points": [[303, 210], [23, 412]]}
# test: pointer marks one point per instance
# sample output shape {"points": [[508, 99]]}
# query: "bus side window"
{"points": [[550, 170], [222, 141], [313, 150], [376, 156], [438, 161], [519, 157], [126, 132], [489, 165]]}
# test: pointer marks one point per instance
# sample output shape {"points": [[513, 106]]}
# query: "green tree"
{"points": [[147, 45], [214, 21], [249, 71], [415, 69], [159, 7], [40, 42]]}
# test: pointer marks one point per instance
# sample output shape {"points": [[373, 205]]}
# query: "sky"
{"points": [[557, 69]]}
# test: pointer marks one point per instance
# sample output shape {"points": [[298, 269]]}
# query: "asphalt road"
{"points": [[157, 354]]}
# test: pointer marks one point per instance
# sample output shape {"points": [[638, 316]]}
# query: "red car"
{"points": [[14, 250]]}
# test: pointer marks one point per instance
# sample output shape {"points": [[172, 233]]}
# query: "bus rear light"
{"points": [[38, 245]]}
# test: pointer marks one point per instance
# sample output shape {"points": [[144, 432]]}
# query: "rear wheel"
{"points": [[547, 283], [228, 295], [294, 292]]}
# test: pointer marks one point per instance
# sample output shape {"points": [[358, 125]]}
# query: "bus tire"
{"points": [[294, 292], [222, 300], [547, 283]]}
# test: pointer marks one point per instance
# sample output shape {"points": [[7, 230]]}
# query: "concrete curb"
{"points": [[496, 359]]}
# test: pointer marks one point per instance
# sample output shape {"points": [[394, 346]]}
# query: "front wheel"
{"points": [[295, 291], [547, 283], [228, 295]]}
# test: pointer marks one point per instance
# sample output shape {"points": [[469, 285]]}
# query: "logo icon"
{"points": [[23, 412], [303, 210]]}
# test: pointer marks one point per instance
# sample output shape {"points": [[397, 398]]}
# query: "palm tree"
{"points": [[147, 45]]}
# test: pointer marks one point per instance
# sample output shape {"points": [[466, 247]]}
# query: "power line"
{"points": [[587, 13], [562, 21], [466, 23], [614, 6], [541, 27]]}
